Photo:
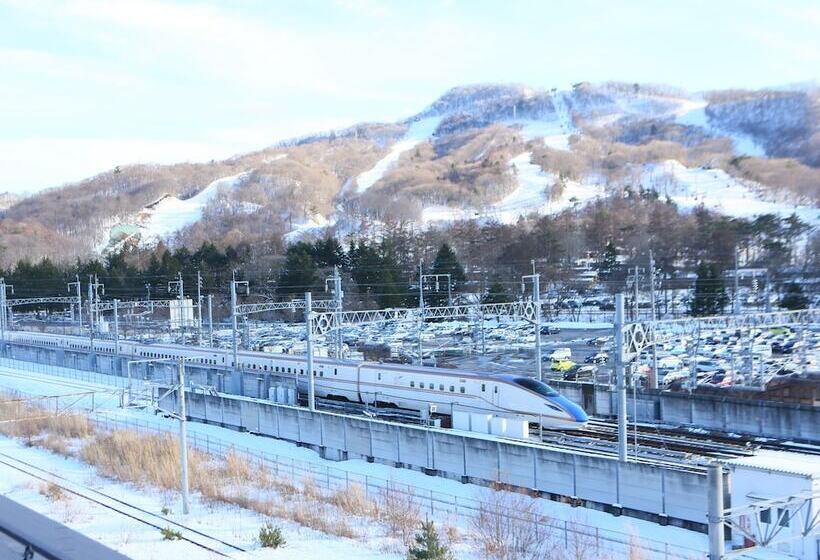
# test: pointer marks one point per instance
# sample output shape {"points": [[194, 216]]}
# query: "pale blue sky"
{"points": [[89, 84]]}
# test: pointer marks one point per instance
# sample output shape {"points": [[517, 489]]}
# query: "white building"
{"points": [[776, 475]]}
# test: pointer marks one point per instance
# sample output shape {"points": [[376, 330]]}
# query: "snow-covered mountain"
{"points": [[488, 152]]}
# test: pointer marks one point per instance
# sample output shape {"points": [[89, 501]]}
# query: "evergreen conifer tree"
{"points": [[427, 545]]}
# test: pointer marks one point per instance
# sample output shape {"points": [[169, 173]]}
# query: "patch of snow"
{"points": [[418, 132], [534, 194], [716, 190], [693, 113], [170, 214], [555, 132], [313, 225], [276, 157]]}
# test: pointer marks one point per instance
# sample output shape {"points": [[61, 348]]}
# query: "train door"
{"points": [[588, 397], [496, 394]]}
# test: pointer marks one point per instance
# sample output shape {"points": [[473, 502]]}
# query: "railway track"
{"points": [[88, 387], [654, 440], [154, 520]]}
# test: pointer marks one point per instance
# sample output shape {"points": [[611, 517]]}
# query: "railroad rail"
{"points": [[669, 440], [157, 521]]}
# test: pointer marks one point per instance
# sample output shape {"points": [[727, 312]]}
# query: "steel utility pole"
{"points": [[309, 351], [422, 278], [4, 318], [183, 437], [91, 306], [93, 298], [234, 284], [116, 326], [654, 378], [338, 296], [180, 287], [77, 285], [421, 309], [635, 306], [199, 308], [620, 376], [714, 483], [536, 298], [210, 320], [148, 289], [736, 294]]}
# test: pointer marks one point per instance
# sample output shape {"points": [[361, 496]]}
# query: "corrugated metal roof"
{"points": [[780, 461]]}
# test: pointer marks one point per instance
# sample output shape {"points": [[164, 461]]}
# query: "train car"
{"points": [[406, 387]]}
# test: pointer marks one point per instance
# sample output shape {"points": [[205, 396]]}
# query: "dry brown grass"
{"points": [[52, 492], [19, 418], [142, 458], [354, 500], [399, 512]]}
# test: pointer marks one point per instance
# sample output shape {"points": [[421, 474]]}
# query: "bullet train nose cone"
{"points": [[572, 409]]}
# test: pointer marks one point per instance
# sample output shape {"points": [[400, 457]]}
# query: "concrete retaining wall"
{"points": [[769, 419], [652, 491]]}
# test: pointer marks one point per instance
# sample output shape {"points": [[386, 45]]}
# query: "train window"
{"points": [[483, 388], [321, 374], [495, 389], [379, 376], [412, 383], [421, 385], [441, 387], [537, 386], [452, 389], [336, 372], [462, 389]]}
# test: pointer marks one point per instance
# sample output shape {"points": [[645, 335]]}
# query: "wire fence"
{"points": [[460, 510]]}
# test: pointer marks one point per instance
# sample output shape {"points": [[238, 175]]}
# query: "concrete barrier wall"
{"points": [[727, 414], [648, 490]]}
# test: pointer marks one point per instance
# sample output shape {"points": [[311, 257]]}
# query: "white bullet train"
{"points": [[403, 386]]}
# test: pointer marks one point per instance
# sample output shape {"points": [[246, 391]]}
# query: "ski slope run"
{"points": [[716, 190], [169, 214], [418, 132], [537, 192]]}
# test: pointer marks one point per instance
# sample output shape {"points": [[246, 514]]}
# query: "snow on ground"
{"points": [[170, 214], [314, 225], [534, 194], [139, 541], [234, 524], [418, 132], [555, 133], [273, 158], [693, 113], [808, 465], [716, 190]]}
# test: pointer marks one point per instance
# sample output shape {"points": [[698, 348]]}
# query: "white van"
{"points": [[561, 354]]}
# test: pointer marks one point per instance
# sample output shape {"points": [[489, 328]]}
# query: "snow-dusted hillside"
{"points": [[164, 217], [537, 192], [419, 131], [476, 152], [718, 191]]}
